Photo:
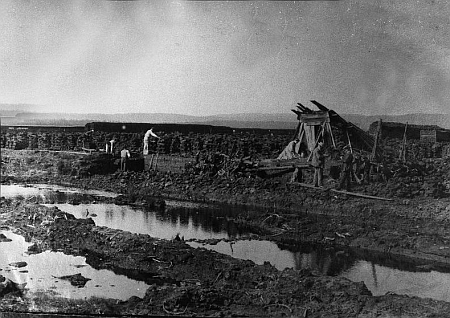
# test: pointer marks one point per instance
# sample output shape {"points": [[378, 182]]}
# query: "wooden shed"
{"points": [[426, 133]]}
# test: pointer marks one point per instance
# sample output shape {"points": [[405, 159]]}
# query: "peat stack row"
{"points": [[94, 164], [16, 141]]}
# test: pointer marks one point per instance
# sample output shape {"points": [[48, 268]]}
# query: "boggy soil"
{"points": [[186, 281]]}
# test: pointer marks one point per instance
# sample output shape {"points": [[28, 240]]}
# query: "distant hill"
{"points": [[286, 120], [268, 121], [289, 120]]}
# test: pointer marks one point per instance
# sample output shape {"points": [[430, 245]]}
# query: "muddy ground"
{"points": [[188, 282]]}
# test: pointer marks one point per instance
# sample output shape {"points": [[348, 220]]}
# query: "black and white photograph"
{"points": [[177, 158]]}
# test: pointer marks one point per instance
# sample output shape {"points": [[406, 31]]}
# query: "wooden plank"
{"points": [[297, 113], [89, 150], [274, 168], [319, 105], [63, 151], [361, 195], [282, 162], [279, 168], [342, 192], [305, 185], [330, 131], [304, 108], [317, 118], [297, 130]]}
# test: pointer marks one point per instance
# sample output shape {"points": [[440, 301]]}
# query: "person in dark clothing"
{"points": [[124, 156], [366, 170], [297, 175], [386, 173], [347, 171], [357, 171], [318, 162]]}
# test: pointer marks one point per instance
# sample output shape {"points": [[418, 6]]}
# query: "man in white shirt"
{"points": [[146, 137]]}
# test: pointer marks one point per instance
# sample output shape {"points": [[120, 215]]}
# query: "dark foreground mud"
{"points": [[186, 281]]}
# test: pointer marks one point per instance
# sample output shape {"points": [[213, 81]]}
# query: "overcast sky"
{"points": [[216, 57]]}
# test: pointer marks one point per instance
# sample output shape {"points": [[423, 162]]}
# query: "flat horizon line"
{"points": [[213, 115]]}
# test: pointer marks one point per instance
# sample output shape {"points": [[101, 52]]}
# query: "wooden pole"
{"points": [[375, 144], [151, 162], [301, 136], [403, 150], [349, 142], [331, 134], [156, 160], [297, 130], [317, 141]]}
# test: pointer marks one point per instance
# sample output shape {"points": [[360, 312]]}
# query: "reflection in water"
{"points": [[256, 251], [36, 274], [399, 277], [380, 280], [326, 261], [190, 223], [49, 192], [380, 273], [195, 221]]}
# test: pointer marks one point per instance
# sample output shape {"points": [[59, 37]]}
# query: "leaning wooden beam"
{"points": [[297, 113], [308, 110], [297, 130], [360, 195], [279, 168], [302, 109], [366, 138], [63, 151], [305, 185], [375, 143], [320, 106], [342, 192]]}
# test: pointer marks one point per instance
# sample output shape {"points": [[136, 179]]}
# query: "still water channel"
{"points": [[380, 274], [38, 277]]}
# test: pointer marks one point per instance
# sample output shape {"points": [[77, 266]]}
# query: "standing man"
{"points": [[347, 170], [124, 155], [318, 162], [366, 169], [357, 168], [146, 137]]}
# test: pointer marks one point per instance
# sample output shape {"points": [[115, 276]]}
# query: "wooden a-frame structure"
{"points": [[314, 126]]}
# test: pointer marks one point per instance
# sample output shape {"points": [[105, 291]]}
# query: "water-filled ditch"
{"points": [[42, 270], [380, 273]]}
